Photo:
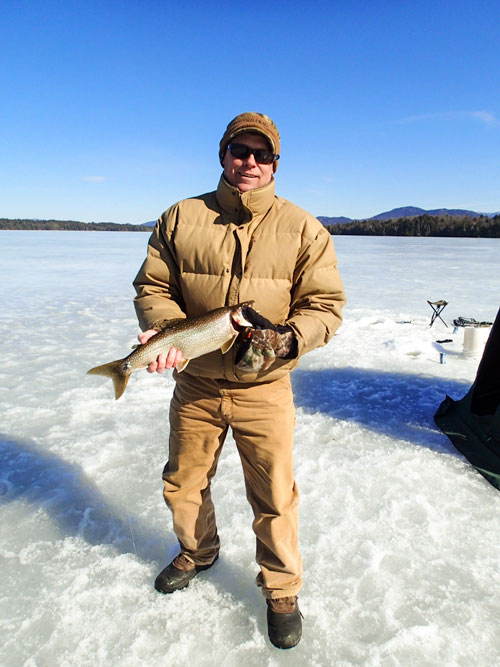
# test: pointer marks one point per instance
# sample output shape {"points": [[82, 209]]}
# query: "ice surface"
{"points": [[399, 535]]}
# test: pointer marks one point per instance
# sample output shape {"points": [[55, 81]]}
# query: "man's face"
{"points": [[247, 174]]}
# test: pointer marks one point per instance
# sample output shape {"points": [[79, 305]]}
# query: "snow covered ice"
{"points": [[399, 534]]}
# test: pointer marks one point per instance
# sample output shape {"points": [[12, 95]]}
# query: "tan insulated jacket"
{"points": [[226, 247]]}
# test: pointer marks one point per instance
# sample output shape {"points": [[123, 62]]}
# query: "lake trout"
{"points": [[194, 337]]}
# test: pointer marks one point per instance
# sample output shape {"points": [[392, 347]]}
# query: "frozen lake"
{"points": [[399, 535]]}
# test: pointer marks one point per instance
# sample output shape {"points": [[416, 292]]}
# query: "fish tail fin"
{"points": [[114, 371]]}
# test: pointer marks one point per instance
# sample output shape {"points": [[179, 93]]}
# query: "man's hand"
{"points": [[263, 343], [163, 361]]}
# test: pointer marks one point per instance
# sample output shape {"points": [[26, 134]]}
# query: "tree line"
{"points": [[419, 225], [423, 225], [70, 225]]}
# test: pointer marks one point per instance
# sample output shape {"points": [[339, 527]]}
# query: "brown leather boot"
{"points": [[178, 574], [284, 622]]}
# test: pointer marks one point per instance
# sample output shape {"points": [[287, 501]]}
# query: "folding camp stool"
{"points": [[437, 308]]}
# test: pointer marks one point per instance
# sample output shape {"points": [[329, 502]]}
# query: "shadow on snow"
{"points": [[398, 405], [74, 502], [43, 479]]}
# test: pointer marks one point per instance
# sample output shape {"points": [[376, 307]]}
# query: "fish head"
{"points": [[238, 318]]}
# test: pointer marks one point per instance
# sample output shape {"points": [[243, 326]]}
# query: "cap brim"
{"points": [[255, 130]]}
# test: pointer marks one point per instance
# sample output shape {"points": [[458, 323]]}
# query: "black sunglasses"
{"points": [[261, 155]]}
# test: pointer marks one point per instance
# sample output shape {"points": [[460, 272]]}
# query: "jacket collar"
{"points": [[243, 206]]}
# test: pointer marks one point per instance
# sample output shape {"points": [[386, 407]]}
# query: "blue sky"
{"points": [[114, 110]]}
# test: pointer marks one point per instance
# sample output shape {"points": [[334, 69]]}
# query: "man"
{"points": [[240, 243]]}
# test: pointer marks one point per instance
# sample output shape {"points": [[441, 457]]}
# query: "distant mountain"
{"points": [[409, 211], [333, 221], [402, 212], [406, 212], [151, 223]]}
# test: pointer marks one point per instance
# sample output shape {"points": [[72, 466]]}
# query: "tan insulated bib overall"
{"points": [[262, 419]]}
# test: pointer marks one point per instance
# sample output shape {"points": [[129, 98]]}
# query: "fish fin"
{"points": [[180, 367], [113, 371], [229, 344], [134, 347]]}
